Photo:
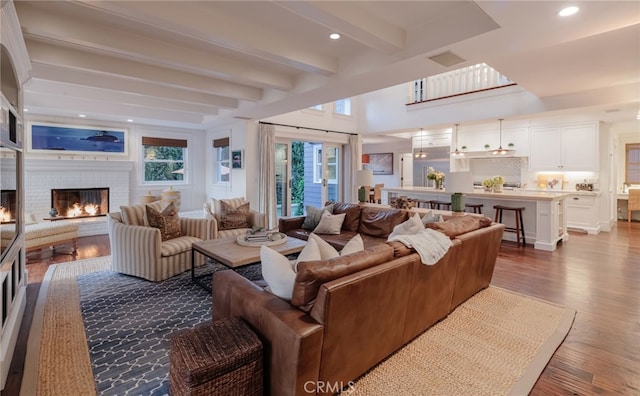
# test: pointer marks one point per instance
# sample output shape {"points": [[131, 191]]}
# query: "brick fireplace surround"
{"points": [[42, 175]]}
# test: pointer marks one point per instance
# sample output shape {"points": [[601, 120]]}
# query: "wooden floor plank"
{"points": [[598, 275]]}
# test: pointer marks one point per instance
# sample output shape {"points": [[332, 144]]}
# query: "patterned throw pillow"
{"points": [[232, 218], [314, 215], [167, 221]]}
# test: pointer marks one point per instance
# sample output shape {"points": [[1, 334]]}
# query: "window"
{"points": [[317, 163], [316, 107], [332, 164], [343, 106], [632, 163], [164, 160], [223, 164]]}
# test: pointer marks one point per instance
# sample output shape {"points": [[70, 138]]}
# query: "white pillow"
{"points": [[354, 245], [330, 223], [409, 227], [328, 252], [279, 272]]}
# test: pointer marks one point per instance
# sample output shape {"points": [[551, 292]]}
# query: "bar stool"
{"points": [[519, 228], [422, 203], [476, 208], [440, 205]]}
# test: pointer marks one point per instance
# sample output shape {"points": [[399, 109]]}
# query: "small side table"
{"points": [[222, 358]]}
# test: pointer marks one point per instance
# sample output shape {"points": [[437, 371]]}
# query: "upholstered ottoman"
{"points": [[222, 358], [49, 234]]}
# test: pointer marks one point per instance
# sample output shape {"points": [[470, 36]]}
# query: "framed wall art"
{"points": [[237, 159], [380, 163], [73, 139]]}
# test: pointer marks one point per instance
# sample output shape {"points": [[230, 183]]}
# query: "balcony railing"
{"points": [[466, 80]]}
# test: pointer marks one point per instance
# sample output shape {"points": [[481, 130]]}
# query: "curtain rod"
{"points": [[312, 129]]}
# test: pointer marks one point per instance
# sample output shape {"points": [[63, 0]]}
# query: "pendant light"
{"points": [[457, 153], [500, 150], [421, 154]]}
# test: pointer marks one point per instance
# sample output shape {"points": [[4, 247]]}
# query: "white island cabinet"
{"points": [[544, 215]]}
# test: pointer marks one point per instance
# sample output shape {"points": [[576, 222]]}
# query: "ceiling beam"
{"points": [[90, 79], [81, 60], [43, 24], [202, 21], [351, 19]]}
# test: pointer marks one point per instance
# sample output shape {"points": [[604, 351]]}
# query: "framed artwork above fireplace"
{"points": [[73, 139]]}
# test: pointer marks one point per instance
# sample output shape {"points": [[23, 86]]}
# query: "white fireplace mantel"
{"points": [[55, 165]]}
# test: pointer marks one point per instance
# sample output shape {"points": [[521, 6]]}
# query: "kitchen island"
{"points": [[545, 222]]}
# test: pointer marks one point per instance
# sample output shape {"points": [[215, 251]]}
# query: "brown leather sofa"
{"points": [[349, 313], [374, 224]]}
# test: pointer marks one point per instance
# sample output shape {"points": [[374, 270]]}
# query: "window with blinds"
{"points": [[632, 163], [164, 160], [222, 162]]}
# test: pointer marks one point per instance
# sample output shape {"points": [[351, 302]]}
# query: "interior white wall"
{"points": [[397, 148], [192, 191]]}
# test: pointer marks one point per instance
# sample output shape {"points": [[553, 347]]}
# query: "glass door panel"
{"points": [[283, 195]]}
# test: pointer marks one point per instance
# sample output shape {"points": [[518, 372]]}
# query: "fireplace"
{"points": [[7, 206], [80, 202]]}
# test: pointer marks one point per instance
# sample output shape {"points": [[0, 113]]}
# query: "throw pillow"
{"points": [[167, 221], [326, 250], [355, 244], [409, 227], [431, 217], [279, 272], [313, 216], [330, 224], [232, 218]]}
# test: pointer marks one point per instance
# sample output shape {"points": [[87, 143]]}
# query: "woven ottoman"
{"points": [[220, 358]]}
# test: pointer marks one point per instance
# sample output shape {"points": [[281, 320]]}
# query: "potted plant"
{"points": [[487, 146], [511, 145], [464, 147]]}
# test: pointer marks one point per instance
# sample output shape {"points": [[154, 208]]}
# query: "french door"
{"points": [[307, 173]]}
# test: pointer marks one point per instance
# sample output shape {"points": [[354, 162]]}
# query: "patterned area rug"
{"points": [[129, 323]]}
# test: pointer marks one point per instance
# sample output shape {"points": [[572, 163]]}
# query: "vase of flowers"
{"points": [[436, 176], [498, 183], [488, 185]]}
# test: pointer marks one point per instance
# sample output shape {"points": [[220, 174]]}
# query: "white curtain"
{"points": [[352, 164], [267, 174]]}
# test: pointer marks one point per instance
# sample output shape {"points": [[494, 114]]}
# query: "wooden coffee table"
{"points": [[228, 252]]}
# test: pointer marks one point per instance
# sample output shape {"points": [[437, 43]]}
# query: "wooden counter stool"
{"points": [[440, 205], [422, 203], [476, 208], [519, 228]]}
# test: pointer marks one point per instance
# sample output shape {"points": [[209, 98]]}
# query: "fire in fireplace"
{"points": [[80, 202], [7, 206]]}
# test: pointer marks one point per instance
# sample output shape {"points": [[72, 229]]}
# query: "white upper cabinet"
{"points": [[564, 148]]}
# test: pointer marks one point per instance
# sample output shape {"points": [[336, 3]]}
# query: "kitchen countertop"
{"points": [[523, 195], [572, 192]]}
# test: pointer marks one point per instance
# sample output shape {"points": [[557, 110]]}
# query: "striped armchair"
{"points": [[212, 212], [137, 249]]}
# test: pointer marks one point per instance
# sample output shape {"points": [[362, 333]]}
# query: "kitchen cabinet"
{"points": [[583, 212], [564, 148]]}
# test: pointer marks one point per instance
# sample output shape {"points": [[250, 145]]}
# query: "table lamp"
{"points": [[459, 183], [364, 178]]}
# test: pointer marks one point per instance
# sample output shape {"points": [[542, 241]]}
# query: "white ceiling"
{"points": [[201, 64]]}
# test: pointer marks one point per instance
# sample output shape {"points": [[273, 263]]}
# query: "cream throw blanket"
{"points": [[430, 244]]}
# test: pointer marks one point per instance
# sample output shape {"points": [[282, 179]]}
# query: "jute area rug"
{"points": [[496, 343]]}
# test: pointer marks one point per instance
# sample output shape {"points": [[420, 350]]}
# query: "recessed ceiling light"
{"points": [[81, 115], [568, 11], [334, 36], [129, 120]]}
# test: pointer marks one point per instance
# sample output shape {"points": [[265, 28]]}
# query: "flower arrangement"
{"points": [[488, 184], [498, 180], [433, 174]]}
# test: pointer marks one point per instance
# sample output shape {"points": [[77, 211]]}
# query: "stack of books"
{"points": [[258, 236]]}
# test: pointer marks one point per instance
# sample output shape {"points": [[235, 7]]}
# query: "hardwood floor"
{"points": [[598, 275]]}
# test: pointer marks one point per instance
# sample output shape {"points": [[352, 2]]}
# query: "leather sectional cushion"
{"points": [[352, 220], [379, 222], [312, 274], [458, 225]]}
